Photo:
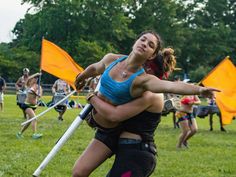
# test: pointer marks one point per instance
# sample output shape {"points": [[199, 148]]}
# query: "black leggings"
{"points": [[133, 160]]}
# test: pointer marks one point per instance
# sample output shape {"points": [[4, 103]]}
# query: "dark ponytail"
{"points": [[162, 65]]}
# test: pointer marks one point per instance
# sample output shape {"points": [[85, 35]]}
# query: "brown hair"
{"points": [[169, 59], [163, 64]]}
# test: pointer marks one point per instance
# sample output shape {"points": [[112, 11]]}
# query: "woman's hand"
{"points": [[208, 92], [79, 82]]}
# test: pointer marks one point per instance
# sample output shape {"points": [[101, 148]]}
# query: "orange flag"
{"points": [[57, 62], [223, 77]]}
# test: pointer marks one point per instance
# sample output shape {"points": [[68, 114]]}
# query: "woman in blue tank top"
{"points": [[124, 78], [145, 48]]}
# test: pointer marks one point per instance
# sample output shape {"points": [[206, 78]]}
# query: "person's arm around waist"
{"points": [[119, 113]]}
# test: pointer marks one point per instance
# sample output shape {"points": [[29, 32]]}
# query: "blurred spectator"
{"points": [[214, 110], [93, 83], [34, 91], [172, 99], [21, 82], [176, 124], [186, 119], [60, 89], [21, 88], [2, 90]]}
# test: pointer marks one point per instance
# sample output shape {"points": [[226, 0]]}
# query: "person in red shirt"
{"points": [[186, 119]]}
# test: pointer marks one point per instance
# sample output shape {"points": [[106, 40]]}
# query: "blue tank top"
{"points": [[117, 92]]}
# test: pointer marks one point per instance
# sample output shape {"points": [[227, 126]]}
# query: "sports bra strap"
{"points": [[116, 61]]}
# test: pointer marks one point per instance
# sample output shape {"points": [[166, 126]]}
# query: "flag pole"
{"points": [[65, 136], [40, 67]]}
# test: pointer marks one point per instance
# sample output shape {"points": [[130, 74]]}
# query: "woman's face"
{"points": [[146, 46]]}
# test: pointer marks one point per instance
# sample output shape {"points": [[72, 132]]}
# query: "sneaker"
{"points": [[37, 135], [19, 135]]}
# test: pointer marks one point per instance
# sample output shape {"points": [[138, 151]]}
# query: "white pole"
{"points": [[35, 117], [63, 139], [85, 111]]}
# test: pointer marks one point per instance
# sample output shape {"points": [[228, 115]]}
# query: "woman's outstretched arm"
{"points": [[155, 85]]}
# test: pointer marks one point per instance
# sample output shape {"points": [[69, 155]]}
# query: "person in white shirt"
{"points": [[21, 88], [60, 89]]}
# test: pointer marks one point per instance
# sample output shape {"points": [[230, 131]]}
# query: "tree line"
{"points": [[202, 32]]}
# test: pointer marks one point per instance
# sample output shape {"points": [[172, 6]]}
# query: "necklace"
{"points": [[123, 74]]}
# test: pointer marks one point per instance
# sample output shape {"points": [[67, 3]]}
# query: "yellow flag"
{"points": [[223, 77], [57, 62]]}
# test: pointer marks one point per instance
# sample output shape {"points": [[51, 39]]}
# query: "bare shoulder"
{"points": [[137, 88], [145, 78], [110, 57]]}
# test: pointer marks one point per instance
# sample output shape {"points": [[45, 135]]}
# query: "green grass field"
{"points": [[211, 154]]}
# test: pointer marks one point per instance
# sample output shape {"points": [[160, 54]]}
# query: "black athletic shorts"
{"points": [[24, 106], [110, 139], [134, 160], [60, 108]]}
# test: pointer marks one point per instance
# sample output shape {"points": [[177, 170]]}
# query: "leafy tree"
{"points": [[165, 17], [201, 32], [209, 22], [92, 50], [13, 60], [67, 23], [199, 73]]}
